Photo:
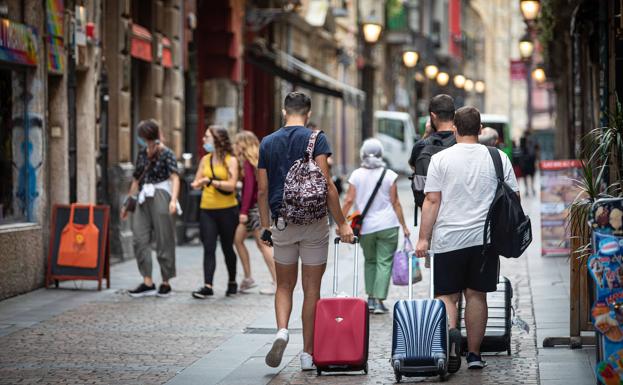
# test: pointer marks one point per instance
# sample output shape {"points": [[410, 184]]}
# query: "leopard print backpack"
{"points": [[305, 189]]}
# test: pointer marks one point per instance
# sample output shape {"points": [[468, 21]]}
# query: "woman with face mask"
{"points": [[217, 176], [153, 200]]}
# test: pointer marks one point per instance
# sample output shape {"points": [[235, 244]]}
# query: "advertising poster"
{"points": [[606, 269], [558, 190]]}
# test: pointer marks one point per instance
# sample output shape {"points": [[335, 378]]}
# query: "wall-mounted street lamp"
{"points": [[459, 81], [469, 85], [538, 74], [410, 58], [443, 78], [530, 9], [479, 86], [431, 71], [372, 31], [526, 47]]}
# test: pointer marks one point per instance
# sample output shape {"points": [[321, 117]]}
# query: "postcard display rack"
{"points": [[606, 268]]}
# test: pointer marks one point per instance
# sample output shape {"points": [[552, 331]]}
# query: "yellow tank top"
{"points": [[211, 198]]}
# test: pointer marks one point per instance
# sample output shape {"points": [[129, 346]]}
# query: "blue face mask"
{"points": [[141, 142], [209, 147]]}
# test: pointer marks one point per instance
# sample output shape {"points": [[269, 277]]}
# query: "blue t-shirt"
{"points": [[279, 151]]}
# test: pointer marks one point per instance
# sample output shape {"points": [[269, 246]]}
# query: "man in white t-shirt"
{"points": [[460, 185]]}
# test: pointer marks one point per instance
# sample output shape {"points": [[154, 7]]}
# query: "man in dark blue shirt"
{"points": [[278, 152]]}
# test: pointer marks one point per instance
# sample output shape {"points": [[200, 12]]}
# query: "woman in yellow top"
{"points": [[217, 175]]}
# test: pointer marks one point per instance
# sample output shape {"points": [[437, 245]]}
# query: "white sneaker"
{"points": [[273, 358], [307, 361], [270, 290]]}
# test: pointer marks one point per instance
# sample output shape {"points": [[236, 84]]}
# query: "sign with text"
{"points": [[557, 192], [18, 43]]}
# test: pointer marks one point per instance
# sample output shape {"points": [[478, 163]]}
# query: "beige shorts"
{"points": [[310, 242]]}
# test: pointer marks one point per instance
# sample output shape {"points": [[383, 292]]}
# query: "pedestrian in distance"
{"points": [[246, 148], [529, 149], [460, 187], [153, 200], [441, 113], [489, 137], [382, 221], [217, 176], [292, 146]]}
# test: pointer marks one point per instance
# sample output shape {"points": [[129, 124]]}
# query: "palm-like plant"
{"points": [[601, 175]]}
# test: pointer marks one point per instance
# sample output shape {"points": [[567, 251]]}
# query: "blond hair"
{"points": [[249, 147]]}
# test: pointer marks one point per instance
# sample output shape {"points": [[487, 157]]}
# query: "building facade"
{"points": [[49, 82], [143, 44]]}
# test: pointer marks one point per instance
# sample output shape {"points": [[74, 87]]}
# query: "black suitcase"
{"points": [[498, 332], [420, 335]]}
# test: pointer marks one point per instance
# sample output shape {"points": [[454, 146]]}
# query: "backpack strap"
{"points": [[376, 189], [309, 152], [497, 162]]}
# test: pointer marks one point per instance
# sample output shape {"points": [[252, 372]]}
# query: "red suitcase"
{"points": [[341, 327]]}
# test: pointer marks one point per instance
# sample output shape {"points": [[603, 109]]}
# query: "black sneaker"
{"points": [[143, 291], [454, 363], [371, 304], [164, 290], [203, 292], [475, 361], [232, 288], [379, 308]]}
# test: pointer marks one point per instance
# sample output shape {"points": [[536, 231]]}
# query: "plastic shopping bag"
{"points": [[400, 270]]}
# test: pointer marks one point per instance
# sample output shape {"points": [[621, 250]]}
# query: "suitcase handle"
{"points": [[335, 266], [432, 275]]}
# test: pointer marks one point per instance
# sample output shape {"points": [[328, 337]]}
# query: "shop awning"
{"points": [[140, 47], [320, 82]]}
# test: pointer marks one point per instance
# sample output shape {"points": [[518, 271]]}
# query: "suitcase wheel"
{"points": [[444, 377], [319, 371], [398, 376], [365, 368], [508, 351]]}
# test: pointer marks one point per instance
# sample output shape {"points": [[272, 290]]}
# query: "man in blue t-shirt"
{"points": [[278, 152]]}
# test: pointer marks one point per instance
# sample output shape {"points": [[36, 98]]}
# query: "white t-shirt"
{"points": [[465, 176], [380, 215]]}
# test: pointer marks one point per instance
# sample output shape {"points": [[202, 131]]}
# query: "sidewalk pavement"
{"points": [[76, 335]]}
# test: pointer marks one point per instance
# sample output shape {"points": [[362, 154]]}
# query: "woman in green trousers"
{"points": [[382, 220]]}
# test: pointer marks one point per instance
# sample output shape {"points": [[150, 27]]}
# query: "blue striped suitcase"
{"points": [[420, 336]]}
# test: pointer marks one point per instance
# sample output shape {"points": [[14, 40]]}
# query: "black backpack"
{"points": [[511, 231], [432, 145]]}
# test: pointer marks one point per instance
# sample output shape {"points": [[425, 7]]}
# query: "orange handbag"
{"points": [[79, 242]]}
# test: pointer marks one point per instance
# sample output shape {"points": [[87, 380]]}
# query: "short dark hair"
{"points": [[148, 129], [443, 106], [467, 121], [297, 103]]}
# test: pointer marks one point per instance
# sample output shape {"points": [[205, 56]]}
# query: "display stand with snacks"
{"points": [[606, 268]]}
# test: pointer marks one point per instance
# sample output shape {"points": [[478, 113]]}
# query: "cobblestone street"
{"points": [[78, 336]]}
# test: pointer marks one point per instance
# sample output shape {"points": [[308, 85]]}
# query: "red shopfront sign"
{"points": [[140, 47], [167, 60], [18, 43], [518, 70]]}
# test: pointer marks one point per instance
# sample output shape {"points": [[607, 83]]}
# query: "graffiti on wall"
{"points": [[27, 149]]}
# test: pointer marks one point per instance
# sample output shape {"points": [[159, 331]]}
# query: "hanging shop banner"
{"points": [[54, 10], [606, 268], [18, 43], [141, 43], [558, 190], [56, 55], [167, 60]]}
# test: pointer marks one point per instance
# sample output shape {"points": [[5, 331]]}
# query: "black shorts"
{"points": [[458, 270]]}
